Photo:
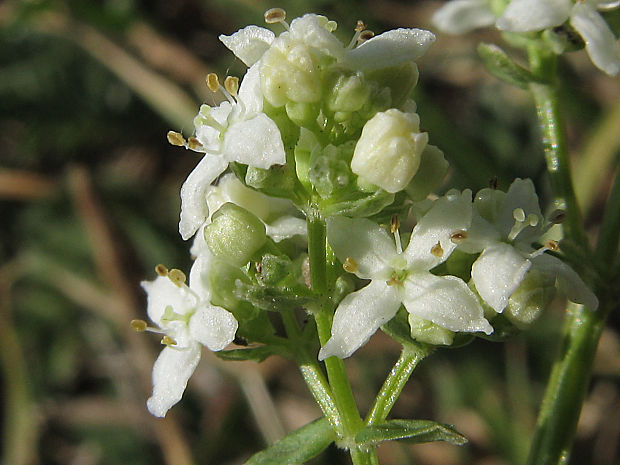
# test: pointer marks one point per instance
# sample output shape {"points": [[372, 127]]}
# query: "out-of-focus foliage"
{"points": [[89, 203]]}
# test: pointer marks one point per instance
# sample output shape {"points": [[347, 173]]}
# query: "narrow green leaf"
{"points": [[412, 431], [255, 354], [502, 67], [297, 447]]}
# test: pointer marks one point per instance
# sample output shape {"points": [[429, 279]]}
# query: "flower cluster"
{"points": [[522, 16], [322, 131]]}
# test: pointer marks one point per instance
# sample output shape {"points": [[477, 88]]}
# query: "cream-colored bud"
{"points": [[389, 150]]}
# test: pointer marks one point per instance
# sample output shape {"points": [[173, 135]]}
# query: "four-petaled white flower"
{"points": [[504, 226], [237, 130], [402, 276], [460, 16], [187, 319]]}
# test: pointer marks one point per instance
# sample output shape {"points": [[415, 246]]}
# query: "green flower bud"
{"points": [[400, 80], [389, 151], [330, 171], [346, 91], [530, 299], [277, 181], [234, 234], [274, 268], [303, 114], [428, 332]]}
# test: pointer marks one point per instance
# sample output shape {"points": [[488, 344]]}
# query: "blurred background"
{"points": [[89, 202]]}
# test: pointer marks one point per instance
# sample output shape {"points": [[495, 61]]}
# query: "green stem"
{"points": [[395, 382], [554, 144], [567, 386], [607, 245], [336, 373]]}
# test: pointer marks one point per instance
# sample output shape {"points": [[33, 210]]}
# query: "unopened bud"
{"points": [[388, 153]]}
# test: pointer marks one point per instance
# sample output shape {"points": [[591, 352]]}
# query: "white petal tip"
{"points": [[332, 349], [156, 407]]}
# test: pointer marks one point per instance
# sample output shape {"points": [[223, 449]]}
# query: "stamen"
{"points": [[161, 270], [139, 326], [549, 245], [176, 138], [437, 250], [458, 237], [193, 143], [350, 265], [557, 216], [364, 36], [358, 30], [177, 277], [276, 15], [532, 220], [360, 26], [213, 83], [168, 341], [519, 215], [394, 223], [493, 183], [231, 84]]}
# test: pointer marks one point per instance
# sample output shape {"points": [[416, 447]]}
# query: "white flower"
{"points": [[186, 318], [461, 16], [402, 276], [389, 151], [237, 130], [535, 15], [504, 225]]}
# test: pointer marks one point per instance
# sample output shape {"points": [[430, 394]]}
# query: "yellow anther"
{"points": [[437, 250], [177, 277], [365, 35], [213, 83], [519, 215], [350, 265], [394, 223], [394, 281], [458, 236], [138, 325], [552, 245], [231, 84], [360, 26], [168, 341], [161, 270], [193, 143], [557, 216], [176, 138], [275, 15]]}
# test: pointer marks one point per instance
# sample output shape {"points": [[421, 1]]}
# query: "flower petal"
{"points": [[390, 49], [444, 300], [255, 142], [448, 214], [569, 282], [601, 44], [534, 15], [460, 16], [171, 372], [358, 317], [162, 293], [249, 43], [497, 273], [213, 326], [286, 227], [312, 30], [367, 243], [194, 210], [250, 93]]}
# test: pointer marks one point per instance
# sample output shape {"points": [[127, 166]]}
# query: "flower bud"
{"points": [[428, 332], [530, 299], [234, 234], [389, 150], [347, 92]]}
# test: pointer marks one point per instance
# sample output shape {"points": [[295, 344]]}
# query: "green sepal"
{"points": [[361, 207], [297, 447], [499, 64], [411, 431], [254, 354]]}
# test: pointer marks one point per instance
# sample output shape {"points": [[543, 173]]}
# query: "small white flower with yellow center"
{"points": [[402, 277], [237, 130], [187, 320], [504, 226]]}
